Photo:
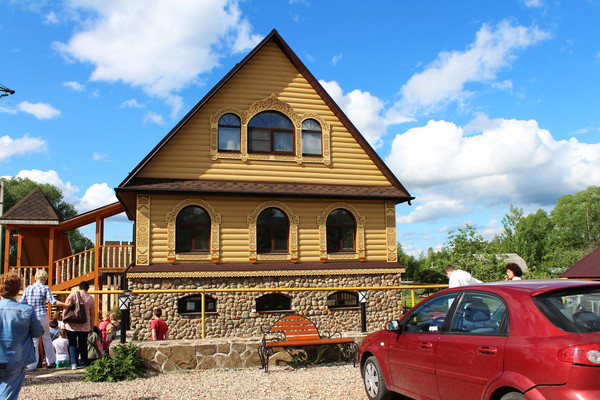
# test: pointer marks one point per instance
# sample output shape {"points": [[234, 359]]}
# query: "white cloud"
{"points": [[76, 86], [10, 147], [101, 157], [39, 110], [337, 58], [533, 3], [434, 210], [96, 196], [506, 162], [8, 110], [131, 103], [363, 109], [159, 46], [154, 118], [445, 79], [51, 177]]}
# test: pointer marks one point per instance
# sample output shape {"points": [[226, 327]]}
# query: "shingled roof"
{"points": [[587, 268], [132, 183], [33, 209]]}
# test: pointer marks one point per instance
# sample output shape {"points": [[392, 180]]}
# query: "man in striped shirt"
{"points": [[38, 295]]}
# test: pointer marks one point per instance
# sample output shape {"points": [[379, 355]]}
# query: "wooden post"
{"points": [[51, 257], [7, 233]]}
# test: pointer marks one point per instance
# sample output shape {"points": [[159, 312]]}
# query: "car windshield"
{"points": [[574, 310]]}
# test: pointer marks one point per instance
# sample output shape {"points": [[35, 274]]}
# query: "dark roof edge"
{"points": [[25, 199], [295, 60], [199, 105]]}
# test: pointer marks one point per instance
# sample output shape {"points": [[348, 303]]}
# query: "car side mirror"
{"points": [[392, 326]]}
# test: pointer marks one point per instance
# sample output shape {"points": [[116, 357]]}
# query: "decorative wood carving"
{"points": [[293, 233], [271, 103], [215, 224], [142, 235], [390, 231], [360, 233]]}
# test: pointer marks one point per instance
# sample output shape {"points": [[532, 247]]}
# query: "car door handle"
{"points": [[487, 351], [425, 345]]}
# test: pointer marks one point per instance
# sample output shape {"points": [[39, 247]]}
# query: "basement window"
{"points": [[193, 304]]}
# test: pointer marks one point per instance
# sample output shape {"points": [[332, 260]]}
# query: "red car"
{"points": [[530, 339]]}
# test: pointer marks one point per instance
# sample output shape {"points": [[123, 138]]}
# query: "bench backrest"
{"points": [[296, 327]]}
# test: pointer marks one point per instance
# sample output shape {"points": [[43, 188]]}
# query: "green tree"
{"points": [[576, 219], [470, 252]]}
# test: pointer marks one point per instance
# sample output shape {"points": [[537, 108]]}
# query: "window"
{"points": [[229, 133], [342, 300], [479, 314], [193, 304], [272, 231], [430, 315], [270, 132], [192, 230], [341, 231], [273, 302], [311, 137], [574, 310]]}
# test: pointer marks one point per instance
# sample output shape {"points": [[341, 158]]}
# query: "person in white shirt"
{"points": [[458, 277]]}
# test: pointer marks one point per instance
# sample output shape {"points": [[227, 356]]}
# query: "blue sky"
{"points": [[475, 105]]}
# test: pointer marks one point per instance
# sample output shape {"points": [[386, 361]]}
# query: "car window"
{"points": [[481, 314], [575, 310], [430, 316]]}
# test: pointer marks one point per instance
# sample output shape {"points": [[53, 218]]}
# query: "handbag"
{"points": [[76, 311]]}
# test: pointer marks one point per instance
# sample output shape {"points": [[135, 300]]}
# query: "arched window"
{"points": [[273, 302], [229, 133], [342, 300], [270, 132], [311, 138], [193, 304], [192, 230], [341, 231], [272, 231]]}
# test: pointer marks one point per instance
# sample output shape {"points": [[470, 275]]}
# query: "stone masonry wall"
{"points": [[236, 314]]}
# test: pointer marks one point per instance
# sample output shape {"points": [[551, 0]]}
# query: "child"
{"points": [[158, 327], [102, 327], [61, 347], [94, 345], [111, 328], [54, 329]]}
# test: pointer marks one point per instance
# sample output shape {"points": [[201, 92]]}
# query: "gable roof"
{"points": [[33, 209], [397, 192], [587, 268]]}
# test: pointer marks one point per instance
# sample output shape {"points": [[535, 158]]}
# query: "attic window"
{"points": [[229, 133], [311, 138], [270, 132]]}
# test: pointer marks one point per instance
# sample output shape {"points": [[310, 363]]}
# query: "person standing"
{"points": [[513, 272], [18, 326], [458, 277], [38, 296], [158, 327], [77, 332]]}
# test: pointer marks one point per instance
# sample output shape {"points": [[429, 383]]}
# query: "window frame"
{"points": [[341, 229], [259, 301], [272, 228], [239, 133], [466, 298], [197, 299], [204, 226], [311, 131], [334, 297], [272, 132]]}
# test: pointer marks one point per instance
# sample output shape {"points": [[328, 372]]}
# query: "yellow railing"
{"points": [[203, 292]]}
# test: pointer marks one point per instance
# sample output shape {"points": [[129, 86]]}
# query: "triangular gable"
{"points": [[33, 209], [587, 268]]}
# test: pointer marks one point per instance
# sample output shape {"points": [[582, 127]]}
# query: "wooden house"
{"points": [[264, 184]]}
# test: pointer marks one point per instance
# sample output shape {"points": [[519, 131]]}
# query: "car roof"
{"points": [[534, 286]]}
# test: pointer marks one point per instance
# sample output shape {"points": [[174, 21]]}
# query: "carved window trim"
{"points": [[360, 253], [390, 231], [294, 222], [271, 103], [215, 223]]}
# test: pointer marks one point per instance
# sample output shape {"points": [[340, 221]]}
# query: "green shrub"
{"points": [[125, 364]]}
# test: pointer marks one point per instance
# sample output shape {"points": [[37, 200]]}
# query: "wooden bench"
{"points": [[296, 331]]}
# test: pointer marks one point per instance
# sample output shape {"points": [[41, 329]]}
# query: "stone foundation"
{"points": [[236, 314], [234, 353]]}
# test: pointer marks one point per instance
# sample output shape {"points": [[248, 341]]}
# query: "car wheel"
{"points": [[374, 381], [513, 396]]}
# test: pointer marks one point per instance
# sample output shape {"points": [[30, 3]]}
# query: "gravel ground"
{"points": [[334, 382]]}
